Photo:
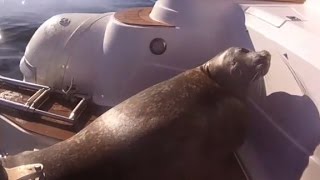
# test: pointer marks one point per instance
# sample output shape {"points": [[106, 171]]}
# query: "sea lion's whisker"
{"points": [[260, 88], [254, 77]]}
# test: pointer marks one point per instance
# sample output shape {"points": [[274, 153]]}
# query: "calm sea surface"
{"points": [[19, 19]]}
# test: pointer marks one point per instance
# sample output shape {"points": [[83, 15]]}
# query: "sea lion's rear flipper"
{"points": [[24, 172]]}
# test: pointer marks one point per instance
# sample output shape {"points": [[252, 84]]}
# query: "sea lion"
{"points": [[182, 128]]}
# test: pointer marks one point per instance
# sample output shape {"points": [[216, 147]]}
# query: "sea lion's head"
{"points": [[237, 67]]}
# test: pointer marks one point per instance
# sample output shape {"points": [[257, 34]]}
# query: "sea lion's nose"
{"points": [[263, 58], [262, 62], [266, 55]]}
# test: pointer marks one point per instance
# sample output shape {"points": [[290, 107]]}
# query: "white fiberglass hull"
{"points": [[285, 132], [283, 142]]}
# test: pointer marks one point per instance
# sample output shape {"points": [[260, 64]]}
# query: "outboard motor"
{"points": [[109, 57]]}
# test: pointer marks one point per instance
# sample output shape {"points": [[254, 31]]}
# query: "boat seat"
{"points": [[40, 110], [49, 127], [138, 17]]}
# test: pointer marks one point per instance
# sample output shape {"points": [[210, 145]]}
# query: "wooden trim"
{"points": [[292, 1], [138, 17], [50, 127]]}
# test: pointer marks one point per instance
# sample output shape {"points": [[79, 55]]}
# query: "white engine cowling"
{"points": [[110, 60], [63, 50]]}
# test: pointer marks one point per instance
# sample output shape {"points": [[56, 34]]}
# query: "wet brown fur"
{"points": [[182, 128]]}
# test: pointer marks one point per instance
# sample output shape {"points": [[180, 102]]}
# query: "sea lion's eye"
{"points": [[244, 50]]}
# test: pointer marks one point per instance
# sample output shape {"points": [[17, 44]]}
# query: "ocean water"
{"points": [[19, 19]]}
